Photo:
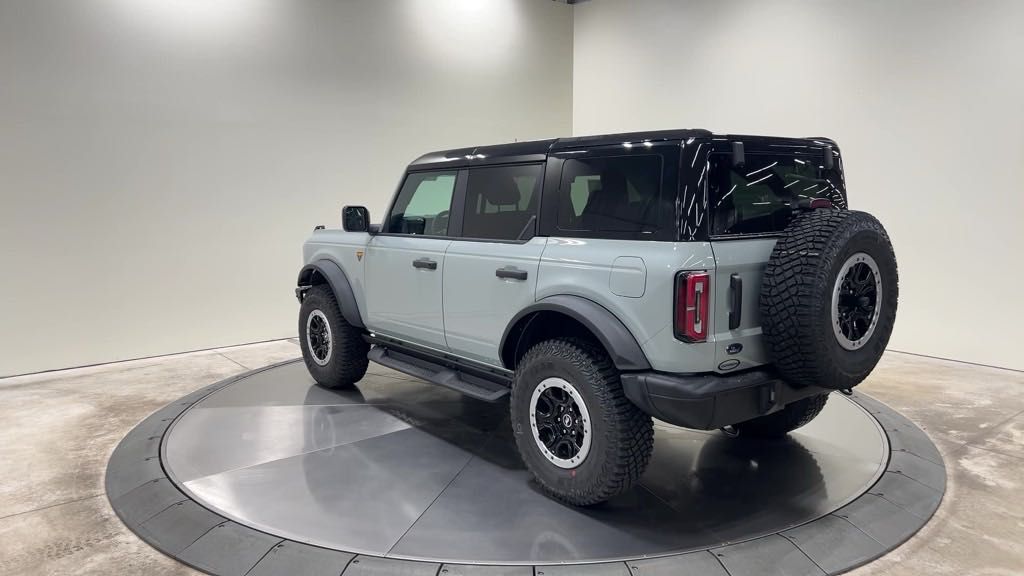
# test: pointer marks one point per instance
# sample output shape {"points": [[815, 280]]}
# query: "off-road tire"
{"points": [[791, 417], [622, 437], [347, 362], [796, 298]]}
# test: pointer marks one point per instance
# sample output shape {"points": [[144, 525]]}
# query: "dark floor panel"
{"points": [[485, 570], [606, 569], [696, 563], [293, 558], [148, 500], [228, 550], [884, 521], [768, 556], [909, 494], [374, 566], [127, 472], [917, 443], [928, 473], [834, 544], [177, 527]]}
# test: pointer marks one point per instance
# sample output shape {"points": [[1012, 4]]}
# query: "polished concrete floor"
{"points": [[57, 430]]}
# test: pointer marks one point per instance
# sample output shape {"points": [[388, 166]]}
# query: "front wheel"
{"points": [[333, 349], [576, 431]]}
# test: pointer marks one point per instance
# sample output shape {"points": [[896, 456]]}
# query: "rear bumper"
{"points": [[709, 401]]}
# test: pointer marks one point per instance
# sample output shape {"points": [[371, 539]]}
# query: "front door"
{"points": [[405, 261], [490, 273]]}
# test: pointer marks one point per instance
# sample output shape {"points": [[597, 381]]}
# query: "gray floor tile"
{"points": [[834, 544], [178, 526], [373, 566], [293, 558], [887, 523], [696, 563], [768, 556]]}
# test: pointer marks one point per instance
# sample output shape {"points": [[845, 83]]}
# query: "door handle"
{"points": [[511, 273], [736, 306], [424, 263]]}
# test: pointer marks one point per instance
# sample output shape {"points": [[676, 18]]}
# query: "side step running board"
{"points": [[438, 374]]}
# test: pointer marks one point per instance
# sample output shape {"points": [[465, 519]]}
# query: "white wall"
{"points": [[162, 161], [926, 100]]}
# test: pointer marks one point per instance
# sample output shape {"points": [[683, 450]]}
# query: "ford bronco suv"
{"points": [[709, 281]]}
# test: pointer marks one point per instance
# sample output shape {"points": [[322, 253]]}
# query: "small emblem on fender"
{"points": [[359, 255], [729, 364]]}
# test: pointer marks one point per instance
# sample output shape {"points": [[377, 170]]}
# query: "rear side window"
{"points": [[423, 204], [611, 194], [758, 197], [501, 201]]}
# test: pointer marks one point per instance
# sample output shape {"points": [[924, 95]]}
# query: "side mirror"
{"points": [[355, 219]]}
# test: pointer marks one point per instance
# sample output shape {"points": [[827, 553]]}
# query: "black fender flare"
{"points": [[339, 284], [622, 347]]}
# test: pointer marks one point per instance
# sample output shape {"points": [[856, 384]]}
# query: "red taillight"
{"points": [[691, 306]]}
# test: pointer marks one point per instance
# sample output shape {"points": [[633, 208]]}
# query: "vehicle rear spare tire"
{"points": [[828, 300]]}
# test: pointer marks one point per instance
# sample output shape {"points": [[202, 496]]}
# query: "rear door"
{"points": [[750, 205], [405, 261], [490, 269]]}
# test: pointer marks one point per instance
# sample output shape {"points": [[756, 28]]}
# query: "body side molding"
{"points": [[339, 284], [617, 340]]}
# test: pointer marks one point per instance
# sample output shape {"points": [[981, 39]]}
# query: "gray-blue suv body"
{"points": [[709, 281]]}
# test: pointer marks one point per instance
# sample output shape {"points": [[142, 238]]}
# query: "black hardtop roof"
{"points": [[537, 150]]}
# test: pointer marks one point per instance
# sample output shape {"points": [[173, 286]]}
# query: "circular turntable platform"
{"points": [[397, 475]]}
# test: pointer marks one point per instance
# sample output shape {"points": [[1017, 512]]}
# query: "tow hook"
{"points": [[846, 391], [730, 431]]}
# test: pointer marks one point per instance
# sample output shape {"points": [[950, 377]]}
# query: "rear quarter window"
{"points": [[759, 196], [611, 194]]}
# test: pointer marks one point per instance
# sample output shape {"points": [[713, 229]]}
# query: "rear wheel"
{"points": [[780, 423], [333, 349], [579, 435]]}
